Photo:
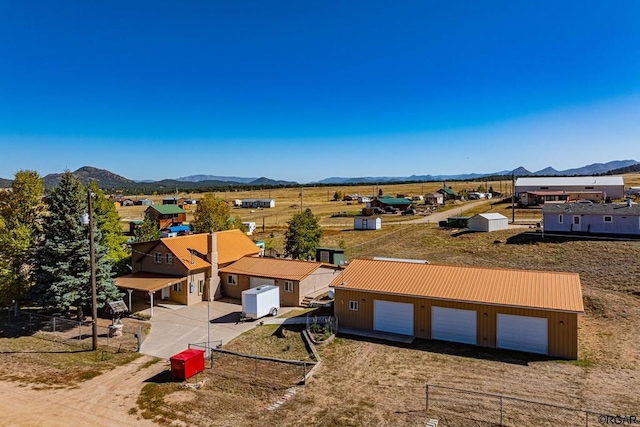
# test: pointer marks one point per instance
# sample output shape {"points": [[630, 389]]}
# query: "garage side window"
{"points": [[608, 218], [168, 258], [200, 286], [158, 257], [177, 287], [353, 305], [560, 219], [288, 286], [232, 279]]}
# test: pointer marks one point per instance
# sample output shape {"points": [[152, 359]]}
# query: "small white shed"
{"points": [[488, 222], [434, 198], [367, 223]]}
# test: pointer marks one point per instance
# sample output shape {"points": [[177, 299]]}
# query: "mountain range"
{"points": [[111, 181], [592, 169]]}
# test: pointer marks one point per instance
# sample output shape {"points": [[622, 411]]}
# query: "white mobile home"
{"points": [[258, 203], [367, 223], [488, 222]]}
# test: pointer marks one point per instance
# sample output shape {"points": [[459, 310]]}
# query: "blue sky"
{"points": [[306, 90]]}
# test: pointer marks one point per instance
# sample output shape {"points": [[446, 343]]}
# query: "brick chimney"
{"points": [[213, 280]]}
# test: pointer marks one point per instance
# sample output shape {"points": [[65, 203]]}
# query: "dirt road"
{"points": [[442, 216], [104, 401]]}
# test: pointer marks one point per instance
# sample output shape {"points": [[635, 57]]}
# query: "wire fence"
{"points": [[454, 407], [70, 331]]}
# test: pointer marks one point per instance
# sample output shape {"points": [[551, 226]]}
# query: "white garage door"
{"points": [[254, 282], [523, 333], [452, 324], [394, 317]]}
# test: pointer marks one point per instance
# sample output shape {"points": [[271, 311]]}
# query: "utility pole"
{"points": [[301, 197], [92, 260], [513, 198]]}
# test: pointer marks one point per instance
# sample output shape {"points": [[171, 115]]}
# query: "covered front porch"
{"points": [[170, 288]]}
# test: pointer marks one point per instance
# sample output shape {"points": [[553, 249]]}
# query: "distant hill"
{"points": [[548, 171], [86, 174], [627, 169], [600, 168], [5, 183], [268, 181], [199, 178]]}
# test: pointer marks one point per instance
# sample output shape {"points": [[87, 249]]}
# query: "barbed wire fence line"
{"points": [[453, 406]]}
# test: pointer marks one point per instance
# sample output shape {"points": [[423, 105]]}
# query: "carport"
{"points": [[146, 282]]}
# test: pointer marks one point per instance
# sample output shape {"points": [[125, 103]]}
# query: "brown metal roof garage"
{"points": [[531, 311]]}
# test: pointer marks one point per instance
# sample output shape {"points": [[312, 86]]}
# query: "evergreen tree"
{"points": [[302, 236], [21, 211], [62, 269], [213, 215], [147, 231], [108, 222]]}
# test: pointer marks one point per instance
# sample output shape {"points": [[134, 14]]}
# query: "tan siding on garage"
{"points": [[562, 338]]}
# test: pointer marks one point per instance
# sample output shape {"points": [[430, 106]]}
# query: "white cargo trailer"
{"points": [[260, 301]]}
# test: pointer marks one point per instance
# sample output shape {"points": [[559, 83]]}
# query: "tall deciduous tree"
{"points": [[147, 231], [302, 236], [108, 222], [213, 215], [21, 211], [62, 269]]}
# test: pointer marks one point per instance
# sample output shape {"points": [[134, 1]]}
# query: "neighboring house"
{"points": [[591, 218], [537, 198], [144, 202], [166, 215], [370, 222], [606, 186], [447, 193], [434, 198], [531, 311], [364, 199], [251, 227], [488, 222], [393, 202], [330, 255], [133, 225], [184, 269], [188, 201], [258, 203], [296, 279], [170, 201]]}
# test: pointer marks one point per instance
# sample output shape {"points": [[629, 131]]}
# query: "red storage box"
{"points": [[186, 364]]}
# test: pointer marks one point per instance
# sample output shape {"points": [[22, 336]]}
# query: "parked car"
{"points": [[409, 212]]}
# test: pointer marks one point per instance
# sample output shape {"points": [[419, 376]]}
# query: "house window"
{"points": [[288, 286], [560, 218], [576, 220], [158, 257], [200, 286], [544, 188], [608, 218], [232, 279], [353, 305], [168, 258], [588, 188], [177, 287]]}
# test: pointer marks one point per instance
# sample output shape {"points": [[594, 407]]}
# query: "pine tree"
{"points": [[302, 236], [62, 270]]}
